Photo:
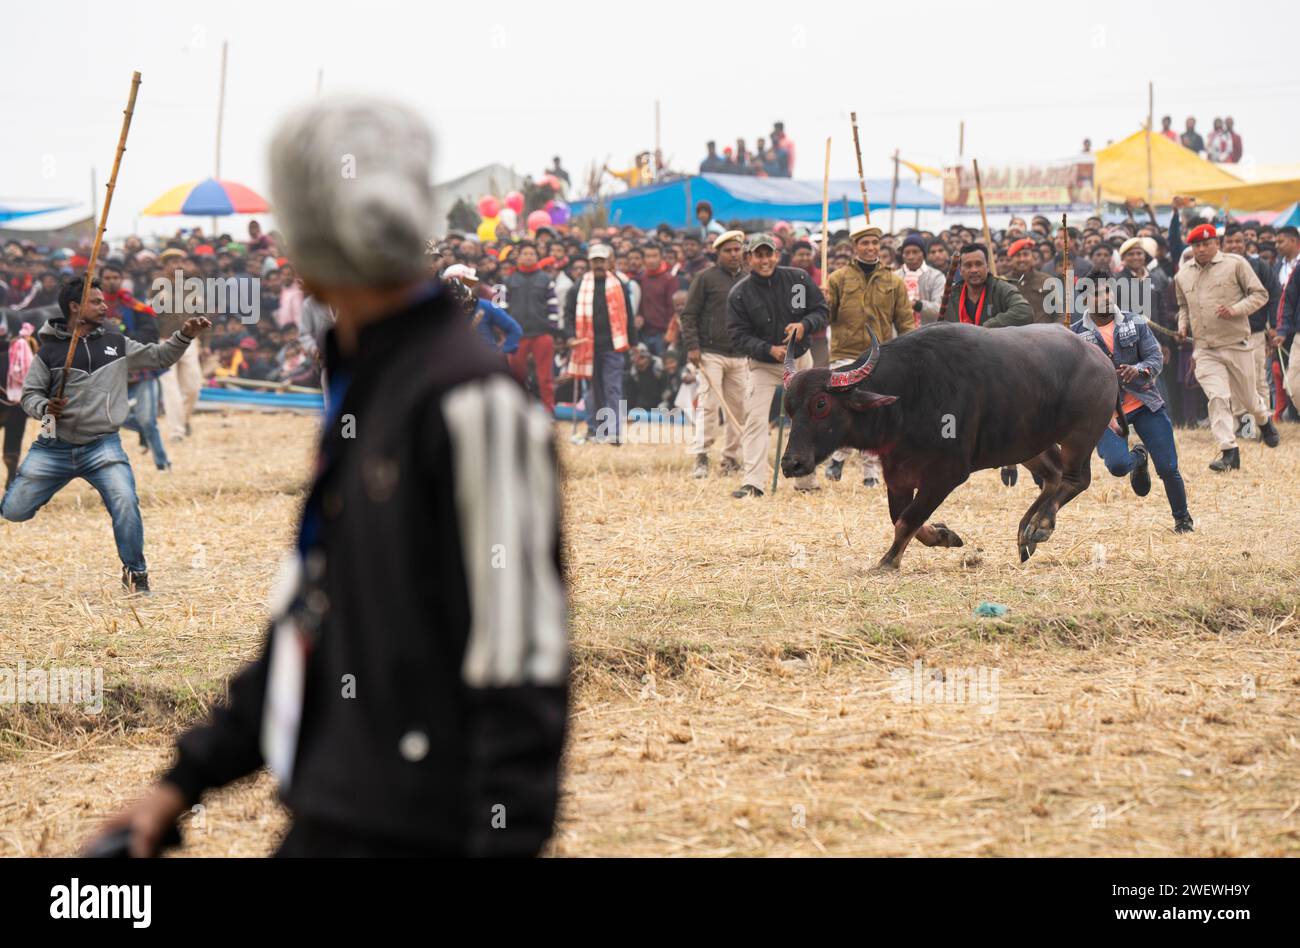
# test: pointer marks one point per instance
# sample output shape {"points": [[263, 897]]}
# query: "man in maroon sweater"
{"points": [[658, 284]]}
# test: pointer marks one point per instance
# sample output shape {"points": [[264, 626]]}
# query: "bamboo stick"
{"points": [[1067, 272], [988, 237], [893, 194], [862, 179], [99, 233], [953, 266], [826, 208]]}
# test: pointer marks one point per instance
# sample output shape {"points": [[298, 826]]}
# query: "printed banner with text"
{"points": [[1064, 186]]}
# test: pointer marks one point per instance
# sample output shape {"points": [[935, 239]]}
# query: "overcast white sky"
{"points": [[518, 82]]}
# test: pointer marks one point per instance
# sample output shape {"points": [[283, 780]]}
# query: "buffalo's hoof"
{"points": [[945, 536], [1027, 550], [884, 566]]}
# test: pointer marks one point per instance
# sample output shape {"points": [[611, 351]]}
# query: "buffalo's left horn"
{"points": [[852, 375]]}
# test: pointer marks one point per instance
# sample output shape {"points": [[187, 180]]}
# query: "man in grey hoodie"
{"points": [[79, 430]]}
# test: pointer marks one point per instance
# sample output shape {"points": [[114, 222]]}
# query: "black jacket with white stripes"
{"points": [[430, 608]]}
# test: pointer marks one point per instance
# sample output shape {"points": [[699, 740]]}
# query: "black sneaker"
{"points": [[834, 470], [1229, 460], [135, 582], [746, 490], [1140, 477], [701, 469], [870, 482], [1268, 431], [1183, 524], [1010, 474]]}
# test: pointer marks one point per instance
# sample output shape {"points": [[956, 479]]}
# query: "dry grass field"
{"points": [[740, 680]]}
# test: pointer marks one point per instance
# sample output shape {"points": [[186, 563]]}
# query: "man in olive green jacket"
{"points": [[983, 299], [866, 292]]}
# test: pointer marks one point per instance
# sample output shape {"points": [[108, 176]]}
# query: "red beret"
{"points": [[1024, 243], [1202, 232]]}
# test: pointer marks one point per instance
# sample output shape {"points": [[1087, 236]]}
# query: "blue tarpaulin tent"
{"points": [[746, 198], [13, 213], [1288, 218]]}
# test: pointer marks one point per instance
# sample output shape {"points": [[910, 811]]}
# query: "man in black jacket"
{"points": [[724, 372], [410, 695], [1261, 330], [770, 307]]}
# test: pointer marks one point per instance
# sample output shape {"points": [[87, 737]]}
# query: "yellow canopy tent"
{"points": [[1121, 170], [1251, 195]]}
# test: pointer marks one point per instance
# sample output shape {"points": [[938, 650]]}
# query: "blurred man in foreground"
{"points": [[410, 695]]}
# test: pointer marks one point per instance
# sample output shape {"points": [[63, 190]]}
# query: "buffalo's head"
{"points": [[826, 409]]}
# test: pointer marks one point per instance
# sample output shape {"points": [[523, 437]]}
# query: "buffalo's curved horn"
{"points": [[789, 365], [852, 375]]}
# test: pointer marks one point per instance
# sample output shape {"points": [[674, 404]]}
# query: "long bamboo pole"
{"points": [[826, 210], [221, 116], [893, 194], [99, 233], [953, 266], [1151, 115], [988, 236], [1067, 272], [862, 179]]}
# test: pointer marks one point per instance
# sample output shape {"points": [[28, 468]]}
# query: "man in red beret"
{"points": [[1216, 293], [1032, 282]]}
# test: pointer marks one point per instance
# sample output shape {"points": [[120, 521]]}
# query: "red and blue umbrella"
{"points": [[208, 198]]}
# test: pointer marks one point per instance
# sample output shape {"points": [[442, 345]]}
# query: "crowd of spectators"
{"points": [[265, 331], [1223, 145], [658, 266], [771, 157]]}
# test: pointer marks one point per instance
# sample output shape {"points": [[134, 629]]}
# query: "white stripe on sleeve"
{"points": [[507, 510]]}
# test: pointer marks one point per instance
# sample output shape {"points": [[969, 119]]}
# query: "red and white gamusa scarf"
{"points": [[582, 355]]}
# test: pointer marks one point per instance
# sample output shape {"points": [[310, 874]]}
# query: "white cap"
{"points": [[459, 271], [599, 252]]}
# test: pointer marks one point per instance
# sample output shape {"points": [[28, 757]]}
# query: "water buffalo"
{"points": [[948, 399]]}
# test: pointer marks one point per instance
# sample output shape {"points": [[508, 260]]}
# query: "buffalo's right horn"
{"points": [[852, 375]]}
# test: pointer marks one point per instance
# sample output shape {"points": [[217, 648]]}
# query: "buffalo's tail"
{"points": [[1119, 413]]}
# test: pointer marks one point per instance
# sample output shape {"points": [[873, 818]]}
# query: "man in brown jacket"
{"points": [[724, 372], [864, 293], [1216, 293], [1033, 284]]}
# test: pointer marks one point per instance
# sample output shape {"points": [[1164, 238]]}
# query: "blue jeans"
{"points": [[1157, 433], [144, 417], [605, 392], [656, 342], [51, 463]]}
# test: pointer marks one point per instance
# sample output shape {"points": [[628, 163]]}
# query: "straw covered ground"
{"points": [[742, 686]]}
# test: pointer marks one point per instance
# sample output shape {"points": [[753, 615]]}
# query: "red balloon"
{"points": [[538, 219], [489, 206], [515, 201]]}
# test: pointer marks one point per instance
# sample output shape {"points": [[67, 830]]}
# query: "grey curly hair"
{"points": [[350, 182]]}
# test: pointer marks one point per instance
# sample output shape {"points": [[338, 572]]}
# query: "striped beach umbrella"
{"points": [[208, 198]]}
